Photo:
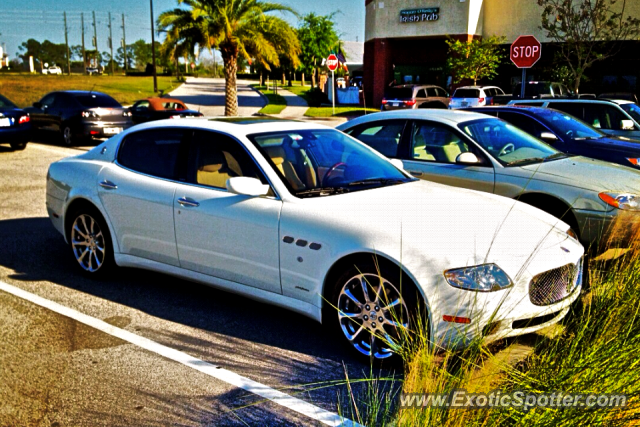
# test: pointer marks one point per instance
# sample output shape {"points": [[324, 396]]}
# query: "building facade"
{"points": [[405, 41]]}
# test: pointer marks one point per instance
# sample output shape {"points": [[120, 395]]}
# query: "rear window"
{"points": [[467, 93], [152, 152], [97, 100], [5, 103], [399, 93]]}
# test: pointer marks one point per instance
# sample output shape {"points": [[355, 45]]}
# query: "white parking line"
{"points": [[297, 405]]}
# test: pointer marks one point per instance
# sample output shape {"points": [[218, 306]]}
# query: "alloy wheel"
{"points": [[88, 243], [67, 136], [372, 314]]}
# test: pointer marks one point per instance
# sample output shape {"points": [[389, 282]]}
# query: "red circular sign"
{"points": [[525, 51], [332, 62]]}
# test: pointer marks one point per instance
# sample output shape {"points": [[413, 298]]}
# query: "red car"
{"points": [[150, 109]]}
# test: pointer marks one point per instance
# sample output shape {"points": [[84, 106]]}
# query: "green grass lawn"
{"points": [[276, 102], [340, 111], [25, 89]]}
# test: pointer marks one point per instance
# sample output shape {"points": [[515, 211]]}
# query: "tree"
{"points": [[318, 38], [475, 59], [586, 31], [237, 28], [45, 52]]}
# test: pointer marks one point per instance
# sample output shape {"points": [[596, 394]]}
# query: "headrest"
{"points": [[276, 154]]}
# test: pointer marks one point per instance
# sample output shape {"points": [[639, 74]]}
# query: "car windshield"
{"points": [[5, 103], [399, 93], [323, 162], [508, 144], [467, 93], [633, 110], [565, 124], [93, 100]]}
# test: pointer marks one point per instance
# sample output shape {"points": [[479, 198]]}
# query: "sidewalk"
{"points": [[296, 105]]}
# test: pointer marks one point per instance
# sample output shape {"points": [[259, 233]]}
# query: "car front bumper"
{"points": [[612, 229]]}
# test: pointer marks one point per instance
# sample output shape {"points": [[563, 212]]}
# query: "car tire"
{"points": [[67, 136], [18, 145], [352, 316], [90, 242]]}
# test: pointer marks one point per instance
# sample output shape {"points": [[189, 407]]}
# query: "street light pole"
{"points": [[153, 52]]}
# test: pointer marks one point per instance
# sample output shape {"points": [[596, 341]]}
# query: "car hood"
{"points": [[613, 142], [10, 111], [586, 173], [462, 227]]}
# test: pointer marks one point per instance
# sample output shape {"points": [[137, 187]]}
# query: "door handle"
{"points": [[185, 201], [415, 173], [108, 185]]}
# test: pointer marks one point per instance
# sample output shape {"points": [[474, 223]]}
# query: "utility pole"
{"points": [[111, 45], [84, 52], [95, 40], [153, 52], [124, 46], [66, 42]]}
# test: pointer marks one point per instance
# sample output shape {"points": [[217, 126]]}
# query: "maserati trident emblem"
{"points": [[565, 249]]}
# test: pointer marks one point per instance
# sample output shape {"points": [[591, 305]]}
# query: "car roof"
{"points": [[570, 100], [451, 117], [236, 126], [413, 85], [619, 101], [478, 87]]}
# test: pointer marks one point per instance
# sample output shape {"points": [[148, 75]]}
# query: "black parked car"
{"points": [[15, 125], [80, 116], [150, 109], [568, 134]]}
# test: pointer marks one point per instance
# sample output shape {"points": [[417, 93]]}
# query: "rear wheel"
{"points": [[372, 310], [90, 242], [67, 136], [18, 145]]}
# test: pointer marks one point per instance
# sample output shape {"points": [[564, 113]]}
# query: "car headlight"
{"points": [[571, 233], [480, 278], [624, 201]]}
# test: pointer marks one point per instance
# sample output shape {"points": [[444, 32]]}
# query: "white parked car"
{"points": [[307, 218], [474, 96], [54, 69]]}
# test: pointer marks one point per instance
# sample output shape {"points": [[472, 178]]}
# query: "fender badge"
{"points": [[565, 249]]}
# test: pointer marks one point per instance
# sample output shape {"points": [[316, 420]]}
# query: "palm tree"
{"points": [[236, 28]]}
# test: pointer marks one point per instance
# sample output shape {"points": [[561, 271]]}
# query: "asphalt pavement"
{"points": [[57, 371]]}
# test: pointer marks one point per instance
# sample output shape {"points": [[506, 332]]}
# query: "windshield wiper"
{"points": [[322, 191], [527, 160], [383, 181]]}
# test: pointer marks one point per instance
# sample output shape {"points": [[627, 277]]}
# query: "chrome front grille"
{"points": [[555, 285]]}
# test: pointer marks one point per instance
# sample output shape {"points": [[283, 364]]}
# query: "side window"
{"points": [[527, 124], [421, 94], [499, 91], [152, 152], [488, 92], [48, 100], [62, 100], [215, 157], [141, 106], [381, 136], [603, 116], [431, 91], [435, 142]]}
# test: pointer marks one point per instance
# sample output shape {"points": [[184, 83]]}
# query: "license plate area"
{"points": [[5, 122], [112, 131]]}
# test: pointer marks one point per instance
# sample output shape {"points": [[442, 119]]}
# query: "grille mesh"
{"points": [[555, 285]]}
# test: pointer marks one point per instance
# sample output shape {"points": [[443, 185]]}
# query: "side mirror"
{"points": [[627, 125], [397, 163], [467, 158], [37, 105], [247, 186], [548, 136]]}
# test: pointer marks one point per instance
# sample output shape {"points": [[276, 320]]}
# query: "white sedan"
{"points": [[309, 219]]}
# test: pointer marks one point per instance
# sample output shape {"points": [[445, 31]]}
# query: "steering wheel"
{"points": [[508, 148], [332, 169]]}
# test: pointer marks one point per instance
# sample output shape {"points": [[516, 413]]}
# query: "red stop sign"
{"points": [[332, 62], [525, 51]]}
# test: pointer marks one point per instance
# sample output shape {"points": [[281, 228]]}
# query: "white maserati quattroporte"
{"points": [[307, 218]]}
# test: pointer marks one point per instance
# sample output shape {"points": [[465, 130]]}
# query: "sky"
{"points": [[43, 19]]}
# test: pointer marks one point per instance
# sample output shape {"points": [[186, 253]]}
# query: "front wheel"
{"points": [[91, 242], [371, 309]]}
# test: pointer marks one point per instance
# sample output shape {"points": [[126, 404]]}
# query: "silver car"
{"points": [[483, 153]]}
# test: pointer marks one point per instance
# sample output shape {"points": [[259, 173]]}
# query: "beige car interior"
{"points": [[216, 167], [294, 165], [439, 145]]}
